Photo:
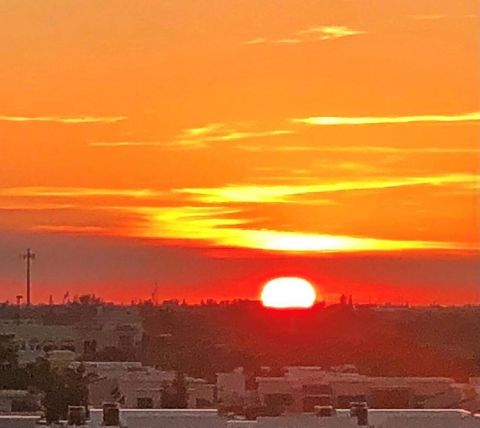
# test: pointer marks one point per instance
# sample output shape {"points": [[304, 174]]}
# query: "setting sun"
{"points": [[288, 292]]}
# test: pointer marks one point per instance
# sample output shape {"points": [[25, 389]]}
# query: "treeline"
{"points": [[204, 340], [57, 388]]}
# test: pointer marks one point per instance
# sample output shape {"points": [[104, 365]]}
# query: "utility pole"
{"points": [[28, 257]]}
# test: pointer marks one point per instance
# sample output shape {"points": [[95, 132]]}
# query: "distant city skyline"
{"points": [[212, 147]]}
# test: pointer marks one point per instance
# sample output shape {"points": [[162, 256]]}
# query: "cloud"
{"points": [[43, 191], [211, 224], [197, 138], [220, 132], [69, 229], [256, 41], [288, 41], [330, 32], [286, 193], [243, 193], [380, 120], [215, 223], [361, 149], [397, 150], [64, 119], [311, 34], [35, 207]]}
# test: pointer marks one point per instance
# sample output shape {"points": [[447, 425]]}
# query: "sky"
{"points": [[207, 147]]}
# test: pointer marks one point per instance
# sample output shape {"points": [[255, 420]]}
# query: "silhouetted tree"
{"points": [[175, 395], [68, 388]]}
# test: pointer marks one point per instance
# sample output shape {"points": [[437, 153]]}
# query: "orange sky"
{"points": [[310, 134]]}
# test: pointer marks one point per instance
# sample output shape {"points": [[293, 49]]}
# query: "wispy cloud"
{"points": [[70, 229], [222, 132], [257, 41], [41, 191], [311, 34], [34, 206], [286, 193], [215, 223], [288, 41], [397, 150], [330, 32], [216, 226], [360, 149], [200, 137], [63, 119], [380, 120]]}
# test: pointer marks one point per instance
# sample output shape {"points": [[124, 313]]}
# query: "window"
{"points": [[144, 403]]}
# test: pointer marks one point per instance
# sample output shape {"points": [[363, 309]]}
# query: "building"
{"points": [[201, 394], [304, 387], [231, 387], [163, 418], [129, 383], [18, 401], [208, 418], [112, 326], [33, 339]]}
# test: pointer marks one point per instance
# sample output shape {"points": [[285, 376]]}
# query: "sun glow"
{"points": [[288, 292]]}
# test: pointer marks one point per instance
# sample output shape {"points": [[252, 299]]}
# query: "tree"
{"points": [[175, 395], [68, 388]]}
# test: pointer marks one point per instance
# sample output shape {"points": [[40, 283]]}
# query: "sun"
{"points": [[288, 292]]}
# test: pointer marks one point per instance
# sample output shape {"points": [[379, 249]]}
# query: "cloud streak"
{"points": [[361, 149], [383, 120], [40, 191], [63, 119], [311, 34], [330, 32], [204, 216], [211, 224], [200, 137], [287, 193]]}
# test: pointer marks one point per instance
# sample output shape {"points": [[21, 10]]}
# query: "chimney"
{"points": [[360, 411], [111, 415], [76, 416], [324, 411]]}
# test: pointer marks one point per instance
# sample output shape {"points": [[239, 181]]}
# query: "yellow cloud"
{"points": [[356, 149], [394, 150], [195, 138], [256, 41], [243, 194], [76, 192], [204, 130], [330, 32], [303, 242], [318, 33], [284, 193], [64, 119], [288, 41], [379, 120], [217, 132], [218, 225], [209, 224]]}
